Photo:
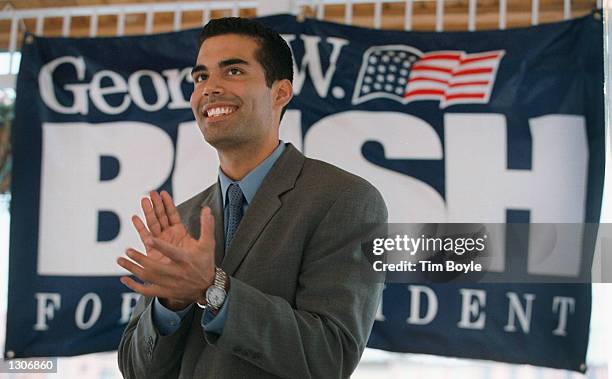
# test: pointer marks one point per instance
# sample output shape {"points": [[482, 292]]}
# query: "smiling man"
{"points": [[260, 275]]}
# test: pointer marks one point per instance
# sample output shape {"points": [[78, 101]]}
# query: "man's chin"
{"points": [[224, 142]]}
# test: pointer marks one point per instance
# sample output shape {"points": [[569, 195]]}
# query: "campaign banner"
{"points": [[471, 127]]}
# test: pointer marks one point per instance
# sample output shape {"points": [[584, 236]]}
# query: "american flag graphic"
{"points": [[405, 74]]}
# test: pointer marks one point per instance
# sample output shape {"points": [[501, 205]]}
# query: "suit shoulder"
{"points": [[341, 192], [327, 177]]}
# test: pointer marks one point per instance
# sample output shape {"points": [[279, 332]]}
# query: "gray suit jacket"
{"points": [[301, 301]]}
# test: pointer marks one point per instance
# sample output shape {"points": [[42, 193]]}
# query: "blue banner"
{"points": [[496, 127]]}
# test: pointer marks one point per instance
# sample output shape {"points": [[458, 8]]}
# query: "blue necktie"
{"points": [[235, 198]]}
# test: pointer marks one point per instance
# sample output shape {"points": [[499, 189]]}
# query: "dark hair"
{"points": [[273, 53]]}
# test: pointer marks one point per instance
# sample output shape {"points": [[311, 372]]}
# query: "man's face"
{"points": [[231, 102]]}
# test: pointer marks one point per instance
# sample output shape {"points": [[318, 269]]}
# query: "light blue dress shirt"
{"points": [[167, 321]]}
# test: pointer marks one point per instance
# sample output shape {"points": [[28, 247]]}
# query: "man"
{"points": [[261, 275]]}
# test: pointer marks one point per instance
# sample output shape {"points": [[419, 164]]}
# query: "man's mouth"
{"points": [[218, 111]]}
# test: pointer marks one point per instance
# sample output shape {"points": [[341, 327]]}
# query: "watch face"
{"points": [[215, 296]]}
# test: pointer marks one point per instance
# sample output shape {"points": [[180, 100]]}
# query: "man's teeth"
{"points": [[218, 111]]}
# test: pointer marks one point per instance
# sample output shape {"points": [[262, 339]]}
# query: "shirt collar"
{"points": [[252, 181]]}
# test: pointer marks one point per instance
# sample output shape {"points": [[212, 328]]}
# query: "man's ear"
{"points": [[283, 93]]}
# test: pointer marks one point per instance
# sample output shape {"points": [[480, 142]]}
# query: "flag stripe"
{"points": [[431, 74], [474, 71], [472, 78], [418, 67], [424, 92], [475, 83], [427, 79], [477, 59], [454, 57], [465, 96]]}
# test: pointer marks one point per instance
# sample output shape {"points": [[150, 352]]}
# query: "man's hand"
{"points": [[176, 268]]}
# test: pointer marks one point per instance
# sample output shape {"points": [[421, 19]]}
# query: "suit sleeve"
{"points": [[324, 334], [143, 352]]}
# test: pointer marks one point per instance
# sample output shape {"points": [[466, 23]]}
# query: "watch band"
{"points": [[221, 282], [220, 278]]}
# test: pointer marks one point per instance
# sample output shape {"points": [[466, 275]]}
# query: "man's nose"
{"points": [[212, 87]]}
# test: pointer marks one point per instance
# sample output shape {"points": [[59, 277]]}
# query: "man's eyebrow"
{"points": [[232, 61], [224, 63], [198, 68]]}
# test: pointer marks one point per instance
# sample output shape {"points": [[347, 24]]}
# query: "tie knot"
{"points": [[234, 195]]}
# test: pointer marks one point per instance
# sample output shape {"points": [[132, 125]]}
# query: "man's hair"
{"points": [[273, 53]]}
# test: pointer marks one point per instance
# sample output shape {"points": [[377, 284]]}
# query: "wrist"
{"points": [[227, 287], [213, 298]]}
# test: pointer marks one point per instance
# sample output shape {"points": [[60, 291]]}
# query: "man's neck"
{"points": [[237, 163]]}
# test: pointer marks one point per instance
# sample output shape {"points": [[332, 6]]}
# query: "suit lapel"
{"points": [[214, 201], [265, 204]]}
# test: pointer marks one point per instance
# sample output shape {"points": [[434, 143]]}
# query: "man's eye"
{"points": [[200, 77], [234, 71]]}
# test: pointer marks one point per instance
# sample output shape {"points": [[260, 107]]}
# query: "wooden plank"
{"points": [[459, 22], [392, 16]]}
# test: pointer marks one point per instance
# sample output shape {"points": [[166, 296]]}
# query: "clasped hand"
{"points": [[176, 267]]}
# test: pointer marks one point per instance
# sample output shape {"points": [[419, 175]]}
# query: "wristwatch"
{"points": [[216, 293]]}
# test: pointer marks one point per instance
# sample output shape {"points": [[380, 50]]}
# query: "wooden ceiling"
{"points": [[424, 11]]}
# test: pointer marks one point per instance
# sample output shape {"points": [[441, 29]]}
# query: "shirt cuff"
{"points": [[214, 324], [165, 320]]}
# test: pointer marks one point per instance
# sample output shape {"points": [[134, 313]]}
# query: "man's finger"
{"points": [[145, 271], [151, 219], [133, 268], [143, 232], [152, 266], [143, 289], [160, 212], [207, 226], [173, 216]]}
